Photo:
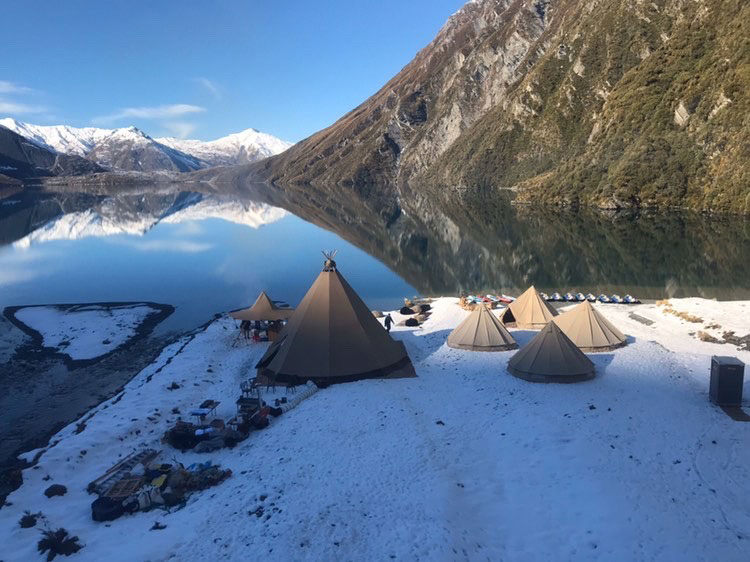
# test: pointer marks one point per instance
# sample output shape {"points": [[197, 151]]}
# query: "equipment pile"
{"points": [[139, 484]]}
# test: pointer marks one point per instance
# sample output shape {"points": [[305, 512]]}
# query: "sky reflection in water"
{"points": [[201, 267]]}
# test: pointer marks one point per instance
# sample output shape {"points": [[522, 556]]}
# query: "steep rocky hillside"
{"points": [[418, 114], [633, 104], [21, 159], [615, 103]]}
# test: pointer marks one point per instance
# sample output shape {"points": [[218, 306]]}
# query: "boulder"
{"points": [[55, 490]]}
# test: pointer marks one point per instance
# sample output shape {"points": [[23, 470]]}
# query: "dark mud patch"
{"points": [[641, 319]]}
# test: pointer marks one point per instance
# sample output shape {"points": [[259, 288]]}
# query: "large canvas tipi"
{"points": [[529, 311], [589, 329], [481, 331], [263, 309], [333, 337], [551, 357]]}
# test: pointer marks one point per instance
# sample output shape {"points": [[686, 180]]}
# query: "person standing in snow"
{"points": [[388, 322]]}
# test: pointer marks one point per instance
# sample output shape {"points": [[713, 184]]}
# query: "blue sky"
{"points": [[205, 69]]}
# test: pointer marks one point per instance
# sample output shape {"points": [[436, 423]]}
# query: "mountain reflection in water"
{"points": [[479, 242], [469, 242], [204, 253]]}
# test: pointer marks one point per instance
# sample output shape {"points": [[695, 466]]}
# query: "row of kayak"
{"points": [[505, 299], [580, 297], [557, 297]]}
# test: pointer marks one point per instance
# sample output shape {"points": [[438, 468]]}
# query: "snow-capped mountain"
{"points": [[124, 149], [133, 150], [130, 149], [59, 138], [244, 147]]}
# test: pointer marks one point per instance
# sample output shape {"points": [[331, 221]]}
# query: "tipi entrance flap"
{"points": [[272, 351]]}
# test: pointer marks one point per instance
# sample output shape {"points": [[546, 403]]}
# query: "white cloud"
{"points": [[12, 88], [179, 129], [12, 107], [212, 88], [158, 112]]}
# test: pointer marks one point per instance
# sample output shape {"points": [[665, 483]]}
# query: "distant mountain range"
{"points": [[28, 150]]}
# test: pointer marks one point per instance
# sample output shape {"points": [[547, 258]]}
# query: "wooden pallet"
{"points": [[125, 488], [118, 471]]}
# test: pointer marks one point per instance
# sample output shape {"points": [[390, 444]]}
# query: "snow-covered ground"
{"points": [[462, 462], [84, 332]]}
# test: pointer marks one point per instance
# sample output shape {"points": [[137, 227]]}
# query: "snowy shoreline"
{"points": [[464, 461]]}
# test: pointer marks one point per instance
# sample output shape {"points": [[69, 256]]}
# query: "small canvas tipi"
{"points": [[481, 331], [333, 337], [529, 311], [589, 329], [263, 309], [551, 357]]}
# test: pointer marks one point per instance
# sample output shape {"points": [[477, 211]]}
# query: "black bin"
{"points": [[727, 376]]}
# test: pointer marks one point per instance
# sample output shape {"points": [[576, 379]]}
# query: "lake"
{"points": [[206, 251], [201, 254]]}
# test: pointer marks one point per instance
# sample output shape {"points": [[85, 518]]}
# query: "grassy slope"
{"points": [[540, 138]]}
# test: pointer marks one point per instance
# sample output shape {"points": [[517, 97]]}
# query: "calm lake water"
{"points": [[201, 255], [211, 252]]}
